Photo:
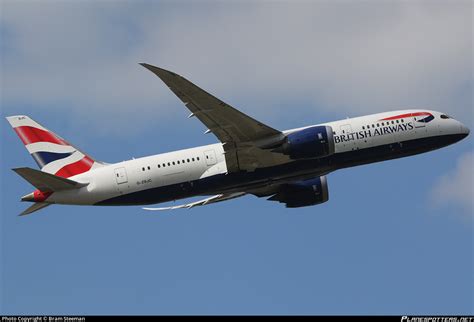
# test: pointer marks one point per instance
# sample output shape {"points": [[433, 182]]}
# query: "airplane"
{"points": [[252, 158]]}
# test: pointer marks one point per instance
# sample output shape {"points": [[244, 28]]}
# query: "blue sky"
{"points": [[394, 238]]}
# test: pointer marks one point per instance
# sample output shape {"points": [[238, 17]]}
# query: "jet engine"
{"points": [[303, 193], [312, 142]]}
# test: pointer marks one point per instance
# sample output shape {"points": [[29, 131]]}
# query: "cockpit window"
{"points": [[444, 116]]}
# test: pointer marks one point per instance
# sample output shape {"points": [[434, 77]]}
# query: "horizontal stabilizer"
{"points": [[47, 182], [35, 207]]}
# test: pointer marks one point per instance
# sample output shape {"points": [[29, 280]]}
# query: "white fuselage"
{"points": [[190, 165]]}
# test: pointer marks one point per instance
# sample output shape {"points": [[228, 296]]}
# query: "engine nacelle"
{"points": [[303, 193], [313, 142]]}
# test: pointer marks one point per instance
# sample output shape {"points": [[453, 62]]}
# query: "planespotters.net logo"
{"points": [[437, 319]]}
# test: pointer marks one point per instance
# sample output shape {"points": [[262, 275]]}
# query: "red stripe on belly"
{"points": [[406, 115], [81, 166], [29, 134]]}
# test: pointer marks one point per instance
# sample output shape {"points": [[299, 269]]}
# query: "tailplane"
{"points": [[34, 207], [46, 184], [52, 153]]}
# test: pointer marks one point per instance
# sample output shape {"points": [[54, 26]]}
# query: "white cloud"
{"points": [[457, 187], [339, 58]]}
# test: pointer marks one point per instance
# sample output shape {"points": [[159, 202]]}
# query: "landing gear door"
{"points": [[121, 175], [210, 156]]}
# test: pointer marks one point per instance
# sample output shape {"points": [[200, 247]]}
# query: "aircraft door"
{"points": [[121, 175], [210, 156]]}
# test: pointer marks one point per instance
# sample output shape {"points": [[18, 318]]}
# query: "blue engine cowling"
{"points": [[313, 142], [303, 193]]}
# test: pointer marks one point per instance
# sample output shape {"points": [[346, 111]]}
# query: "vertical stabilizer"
{"points": [[52, 153]]}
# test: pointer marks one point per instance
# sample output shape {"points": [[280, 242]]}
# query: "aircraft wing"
{"points": [[240, 134], [203, 202]]}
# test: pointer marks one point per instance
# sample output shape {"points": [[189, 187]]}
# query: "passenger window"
{"points": [[401, 120], [178, 161], [149, 168], [192, 159], [363, 127], [173, 163], [198, 158], [183, 161], [378, 125], [159, 166], [169, 163], [117, 175], [393, 122], [398, 121], [143, 169], [188, 160], [373, 125]]}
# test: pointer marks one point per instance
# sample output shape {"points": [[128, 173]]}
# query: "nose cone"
{"points": [[464, 130]]}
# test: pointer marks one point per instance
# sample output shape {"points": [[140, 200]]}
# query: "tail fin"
{"points": [[52, 153]]}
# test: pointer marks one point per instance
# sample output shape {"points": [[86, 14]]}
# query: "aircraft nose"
{"points": [[464, 130]]}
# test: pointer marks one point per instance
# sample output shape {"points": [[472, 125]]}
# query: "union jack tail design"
{"points": [[52, 153]]}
